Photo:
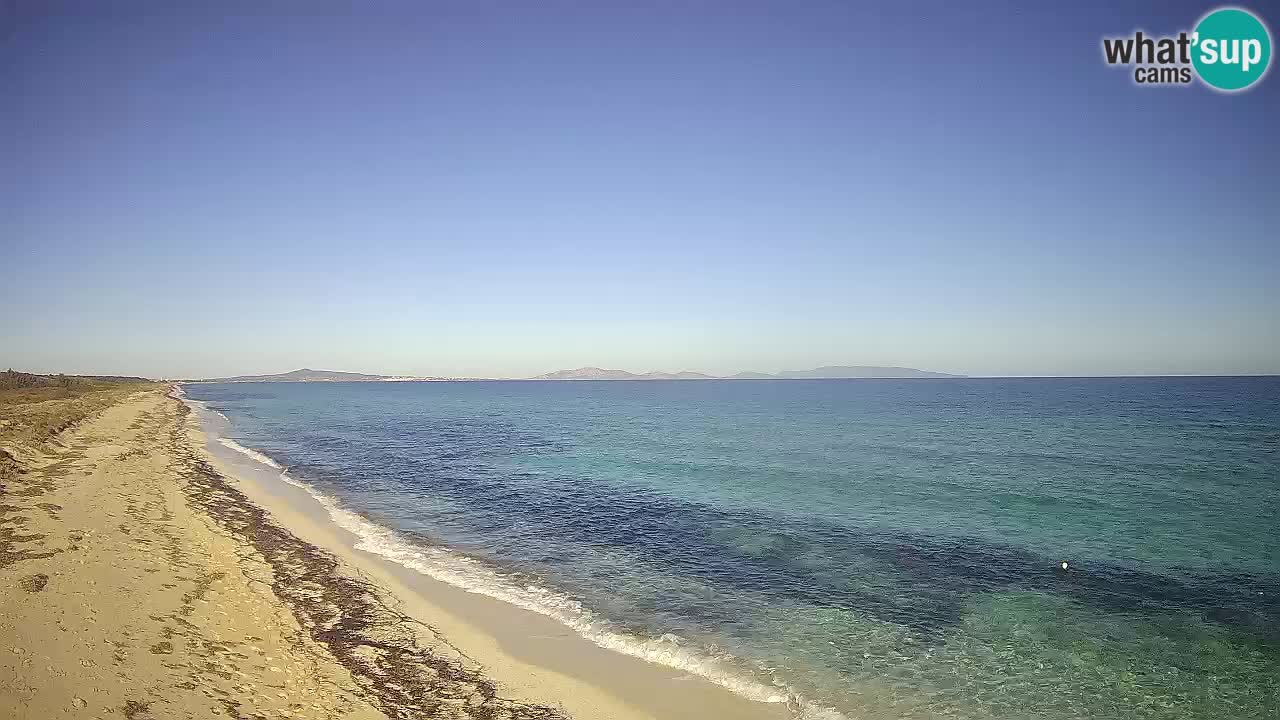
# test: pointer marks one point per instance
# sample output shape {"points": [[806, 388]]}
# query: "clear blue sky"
{"points": [[475, 188]]}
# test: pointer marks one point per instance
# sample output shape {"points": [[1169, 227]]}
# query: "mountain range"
{"points": [[595, 373]]}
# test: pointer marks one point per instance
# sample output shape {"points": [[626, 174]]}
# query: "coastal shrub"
{"points": [[13, 380]]}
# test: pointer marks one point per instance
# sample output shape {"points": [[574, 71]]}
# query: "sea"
{"points": [[923, 548]]}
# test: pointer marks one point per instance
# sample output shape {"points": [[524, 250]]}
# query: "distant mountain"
{"points": [[309, 375], [860, 371], [595, 373], [682, 375], [587, 373], [828, 372]]}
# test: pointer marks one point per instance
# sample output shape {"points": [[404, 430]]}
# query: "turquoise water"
{"points": [[876, 548]]}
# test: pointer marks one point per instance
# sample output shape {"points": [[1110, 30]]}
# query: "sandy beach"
{"points": [[143, 575]]}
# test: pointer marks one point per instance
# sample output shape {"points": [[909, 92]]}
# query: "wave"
{"points": [[179, 394], [227, 442], [475, 576]]}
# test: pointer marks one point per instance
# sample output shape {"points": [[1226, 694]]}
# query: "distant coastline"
{"points": [[309, 375], [828, 372]]}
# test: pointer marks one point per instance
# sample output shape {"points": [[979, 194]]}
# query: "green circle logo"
{"points": [[1232, 49]]}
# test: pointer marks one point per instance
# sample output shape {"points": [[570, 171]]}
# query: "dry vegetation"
{"points": [[35, 408]]}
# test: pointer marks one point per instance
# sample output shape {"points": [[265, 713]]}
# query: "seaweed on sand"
{"points": [[379, 645]]}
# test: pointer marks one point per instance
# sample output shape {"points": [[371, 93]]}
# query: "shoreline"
{"points": [[359, 621], [532, 656], [119, 594], [141, 575]]}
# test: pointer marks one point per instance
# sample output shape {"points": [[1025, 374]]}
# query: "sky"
{"points": [[504, 189]]}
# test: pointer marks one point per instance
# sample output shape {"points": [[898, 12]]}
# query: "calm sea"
{"points": [[876, 548]]}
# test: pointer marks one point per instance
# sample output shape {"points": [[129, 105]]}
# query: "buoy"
{"points": [[1064, 564]]}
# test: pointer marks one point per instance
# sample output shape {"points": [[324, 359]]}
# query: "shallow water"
{"points": [[882, 548]]}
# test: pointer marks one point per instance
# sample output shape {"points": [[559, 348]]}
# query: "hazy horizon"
{"points": [[503, 191], [714, 376]]}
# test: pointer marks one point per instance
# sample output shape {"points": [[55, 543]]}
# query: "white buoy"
{"points": [[1064, 564]]}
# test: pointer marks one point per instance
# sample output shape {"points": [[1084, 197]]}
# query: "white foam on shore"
{"points": [[227, 442], [474, 576], [178, 394]]}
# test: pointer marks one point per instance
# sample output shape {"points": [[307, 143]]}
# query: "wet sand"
{"points": [[143, 575]]}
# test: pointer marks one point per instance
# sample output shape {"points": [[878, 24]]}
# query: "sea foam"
{"points": [[227, 442], [475, 576]]}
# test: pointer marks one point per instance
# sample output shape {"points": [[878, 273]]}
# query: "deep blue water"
{"points": [[884, 548]]}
